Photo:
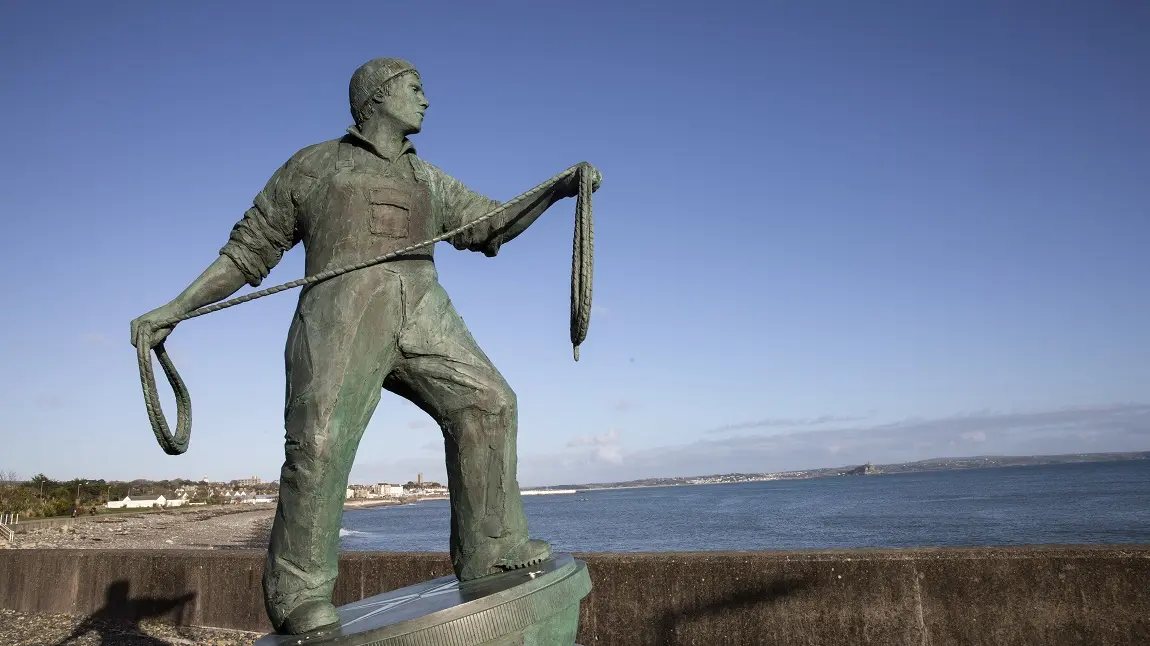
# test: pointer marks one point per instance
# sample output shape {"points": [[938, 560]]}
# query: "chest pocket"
{"points": [[389, 211]]}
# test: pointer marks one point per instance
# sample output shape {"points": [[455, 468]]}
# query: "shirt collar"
{"points": [[407, 146]]}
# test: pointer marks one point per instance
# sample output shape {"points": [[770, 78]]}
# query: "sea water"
{"points": [[1089, 502]]}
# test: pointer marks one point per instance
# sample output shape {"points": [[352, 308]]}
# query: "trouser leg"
{"points": [[444, 372], [338, 352]]}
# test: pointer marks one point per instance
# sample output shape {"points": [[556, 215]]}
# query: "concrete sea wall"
{"points": [[1047, 595]]}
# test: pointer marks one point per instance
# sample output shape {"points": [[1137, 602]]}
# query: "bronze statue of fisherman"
{"points": [[391, 325]]}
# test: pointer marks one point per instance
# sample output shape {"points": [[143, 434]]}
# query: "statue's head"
{"points": [[388, 88]]}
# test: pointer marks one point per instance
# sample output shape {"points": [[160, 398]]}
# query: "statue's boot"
{"points": [[527, 553], [309, 616], [493, 556]]}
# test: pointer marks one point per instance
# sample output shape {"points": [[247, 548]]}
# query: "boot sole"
{"points": [[519, 565]]}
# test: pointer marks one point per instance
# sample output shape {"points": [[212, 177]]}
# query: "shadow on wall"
{"points": [[733, 603], [120, 617]]}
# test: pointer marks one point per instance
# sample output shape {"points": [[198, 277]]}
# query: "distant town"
{"points": [[41, 496]]}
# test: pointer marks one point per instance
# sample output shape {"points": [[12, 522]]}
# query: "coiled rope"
{"points": [[581, 271]]}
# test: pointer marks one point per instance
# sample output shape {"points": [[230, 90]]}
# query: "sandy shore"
{"points": [[213, 528], [218, 528]]}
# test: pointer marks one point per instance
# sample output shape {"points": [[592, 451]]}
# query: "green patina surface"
{"points": [[390, 326]]}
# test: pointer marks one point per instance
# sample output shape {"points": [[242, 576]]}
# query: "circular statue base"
{"points": [[535, 606]]}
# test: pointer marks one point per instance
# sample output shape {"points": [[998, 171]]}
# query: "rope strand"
{"points": [[582, 253], [581, 270]]}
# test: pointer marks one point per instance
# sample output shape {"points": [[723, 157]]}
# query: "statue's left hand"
{"points": [[146, 329], [596, 180]]}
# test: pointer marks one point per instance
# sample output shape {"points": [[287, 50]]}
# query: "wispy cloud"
{"points": [[96, 339], [784, 422], [1118, 427], [601, 448], [622, 405]]}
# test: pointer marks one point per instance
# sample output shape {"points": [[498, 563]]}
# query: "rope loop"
{"points": [[173, 444]]}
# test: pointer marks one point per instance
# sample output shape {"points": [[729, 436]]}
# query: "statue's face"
{"points": [[406, 103]]}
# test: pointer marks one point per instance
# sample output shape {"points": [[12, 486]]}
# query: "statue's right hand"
{"points": [[152, 328]]}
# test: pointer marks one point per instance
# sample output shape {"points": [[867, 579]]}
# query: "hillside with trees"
{"points": [[41, 496]]}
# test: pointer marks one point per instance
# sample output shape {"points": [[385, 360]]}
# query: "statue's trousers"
{"points": [[390, 326]]}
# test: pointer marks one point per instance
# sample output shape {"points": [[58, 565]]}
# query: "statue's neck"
{"points": [[387, 139]]}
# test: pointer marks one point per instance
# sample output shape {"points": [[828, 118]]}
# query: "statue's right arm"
{"points": [[255, 246], [220, 280]]}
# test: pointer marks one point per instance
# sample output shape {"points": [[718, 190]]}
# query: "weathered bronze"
{"points": [[535, 606], [373, 315]]}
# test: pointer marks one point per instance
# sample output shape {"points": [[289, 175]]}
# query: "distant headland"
{"points": [[933, 464]]}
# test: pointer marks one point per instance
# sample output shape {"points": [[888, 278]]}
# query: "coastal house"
{"points": [[138, 502], [389, 490], [235, 497], [147, 502], [257, 499], [187, 491], [360, 491]]}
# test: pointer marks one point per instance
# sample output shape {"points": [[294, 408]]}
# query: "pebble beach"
{"points": [[210, 529]]}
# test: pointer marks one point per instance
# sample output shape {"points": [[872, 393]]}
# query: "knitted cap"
{"points": [[371, 76]]}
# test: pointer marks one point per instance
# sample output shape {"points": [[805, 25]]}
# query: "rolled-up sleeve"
{"points": [[268, 229], [458, 205]]}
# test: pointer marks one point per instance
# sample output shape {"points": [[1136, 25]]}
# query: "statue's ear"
{"points": [[378, 96]]}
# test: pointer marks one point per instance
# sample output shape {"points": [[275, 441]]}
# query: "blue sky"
{"points": [[828, 233]]}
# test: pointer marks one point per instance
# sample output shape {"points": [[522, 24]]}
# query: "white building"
{"points": [[146, 502], [259, 499], [235, 497], [389, 490]]}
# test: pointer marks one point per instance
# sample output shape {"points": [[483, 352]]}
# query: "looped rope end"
{"points": [[172, 443]]}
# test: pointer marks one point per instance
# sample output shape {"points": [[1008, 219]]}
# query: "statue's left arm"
{"points": [[457, 205]]}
